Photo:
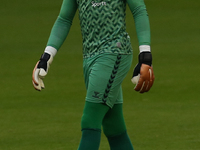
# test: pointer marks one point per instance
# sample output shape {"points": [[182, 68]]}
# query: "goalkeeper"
{"points": [[107, 57]]}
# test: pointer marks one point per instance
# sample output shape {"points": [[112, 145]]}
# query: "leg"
{"points": [[96, 76], [103, 77], [115, 129], [91, 122]]}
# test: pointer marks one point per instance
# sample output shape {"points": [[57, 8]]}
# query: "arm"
{"points": [[141, 19], [63, 23], [143, 75], [58, 35]]}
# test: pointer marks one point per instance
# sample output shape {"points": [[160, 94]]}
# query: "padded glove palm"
{"points": [[143, 75], [41, 70]]}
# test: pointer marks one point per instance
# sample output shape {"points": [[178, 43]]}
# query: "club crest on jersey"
{"points": [[98, 4]]}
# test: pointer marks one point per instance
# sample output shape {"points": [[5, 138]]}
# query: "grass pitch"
{"points": [[166, 118]]}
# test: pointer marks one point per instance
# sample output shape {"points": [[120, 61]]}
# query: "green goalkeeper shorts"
{"points": [[103, 76]]}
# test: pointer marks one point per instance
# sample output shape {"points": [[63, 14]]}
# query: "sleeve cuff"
{"points": [[50, 50], [144, 48]]}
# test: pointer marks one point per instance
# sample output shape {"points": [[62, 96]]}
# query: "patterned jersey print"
{"points": [[103, 27]]}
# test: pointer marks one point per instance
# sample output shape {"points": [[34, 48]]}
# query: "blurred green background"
{"points": [[166, 118]]}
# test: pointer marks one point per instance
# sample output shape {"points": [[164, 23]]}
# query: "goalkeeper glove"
{"points": [[42, 67], [143, 75]]}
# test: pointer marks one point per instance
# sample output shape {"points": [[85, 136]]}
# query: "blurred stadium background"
{"points": [[166, 118]]}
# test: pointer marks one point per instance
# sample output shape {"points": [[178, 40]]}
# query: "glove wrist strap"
{"points": [[145, 58]]}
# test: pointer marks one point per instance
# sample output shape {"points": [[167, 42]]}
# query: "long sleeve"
{"points": [[62, 24], [141, 19]]}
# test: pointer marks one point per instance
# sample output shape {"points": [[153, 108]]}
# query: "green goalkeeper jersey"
{"points": [[103, 25]]}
